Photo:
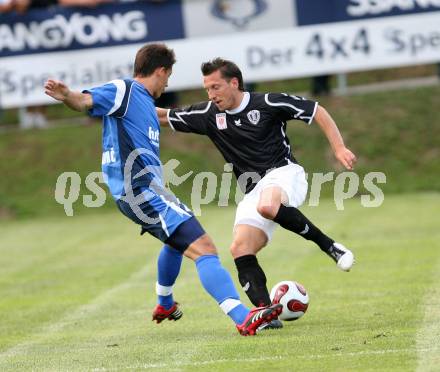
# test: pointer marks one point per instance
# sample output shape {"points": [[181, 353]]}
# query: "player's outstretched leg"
{"points": [[292, 219], [342, 256], [270, 207], [218, 283], [168, 268]]}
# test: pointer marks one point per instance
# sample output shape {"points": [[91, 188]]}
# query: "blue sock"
{"points": [[218, 283], [168, 268]]}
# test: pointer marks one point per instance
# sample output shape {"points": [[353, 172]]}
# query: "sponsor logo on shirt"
{"points": [[153, 135], [220, 120], [237, 122], [254, 116], [108, 156]]}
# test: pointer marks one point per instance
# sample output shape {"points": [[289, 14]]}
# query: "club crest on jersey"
{"points": [[220, 120], [254, 116], [240, 15]]}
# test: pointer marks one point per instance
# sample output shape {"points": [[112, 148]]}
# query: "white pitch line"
{"points": [[80, 313], [147, 366], [429, 331], [187, 364]]}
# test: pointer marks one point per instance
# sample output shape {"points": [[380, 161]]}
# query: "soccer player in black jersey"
{"points": [[249, 129]]}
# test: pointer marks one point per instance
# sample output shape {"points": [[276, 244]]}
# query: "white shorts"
{"points": [[290, 178]]}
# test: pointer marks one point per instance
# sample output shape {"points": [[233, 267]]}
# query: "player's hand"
{"points": [[346, 158], [56, 89]]}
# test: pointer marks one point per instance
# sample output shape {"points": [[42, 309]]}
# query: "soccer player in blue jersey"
{"points": [[131, 168]]}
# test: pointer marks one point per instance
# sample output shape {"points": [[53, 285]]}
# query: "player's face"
{"points": [[164, 75], [225, 94]]}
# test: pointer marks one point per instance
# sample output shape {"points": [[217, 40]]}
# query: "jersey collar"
{"points": [[242, 106]]}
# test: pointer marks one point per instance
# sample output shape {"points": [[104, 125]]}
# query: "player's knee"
{"points": [[268, 211], [206, 245], [201, 247], [239, 248]]}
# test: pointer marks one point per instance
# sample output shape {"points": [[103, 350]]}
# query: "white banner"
{"points": [[264, 55]]}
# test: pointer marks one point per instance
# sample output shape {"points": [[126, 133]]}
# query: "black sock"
{"points": [[253, 280], [292, 219]]}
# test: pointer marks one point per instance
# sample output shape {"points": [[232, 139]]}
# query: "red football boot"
{"points": [[256, 317], [160, 313]]}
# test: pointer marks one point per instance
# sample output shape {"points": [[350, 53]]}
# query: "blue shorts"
{"points": [[172, 222]]}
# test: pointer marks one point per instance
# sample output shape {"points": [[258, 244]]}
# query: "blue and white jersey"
{"points": [[130, 139]]}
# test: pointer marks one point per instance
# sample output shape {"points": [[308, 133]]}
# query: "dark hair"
{"points": [[228, 70], [153, 56]]}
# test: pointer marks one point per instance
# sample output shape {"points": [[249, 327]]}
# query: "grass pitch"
{"points": [[77, 293]]}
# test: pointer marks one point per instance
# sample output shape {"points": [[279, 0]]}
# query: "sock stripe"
{"points": [[229, 304], [162, 290]]}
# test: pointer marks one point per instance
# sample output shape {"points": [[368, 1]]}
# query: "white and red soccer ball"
{"points": [[294, 298]]}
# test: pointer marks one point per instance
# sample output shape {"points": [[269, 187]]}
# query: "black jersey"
{"points": [[253, 136]]}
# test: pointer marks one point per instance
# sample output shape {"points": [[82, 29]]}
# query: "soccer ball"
{"points": [[293, 297]]}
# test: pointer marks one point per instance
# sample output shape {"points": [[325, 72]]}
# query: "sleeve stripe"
{"points": [[314, 112], [178, 114], [120, 93], [298, 111], [122, 110], [179, 118], [204, 111], [169, 120]]}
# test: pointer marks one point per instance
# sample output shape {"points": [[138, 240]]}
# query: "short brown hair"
{"points": [[228, 70], [153, 56]]}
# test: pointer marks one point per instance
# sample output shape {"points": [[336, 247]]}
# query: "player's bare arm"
{"points": [[331, 131], [75, 100], [163, 116]]}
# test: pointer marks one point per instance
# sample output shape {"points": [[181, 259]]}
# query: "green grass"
{"points": [[76, 294]]}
